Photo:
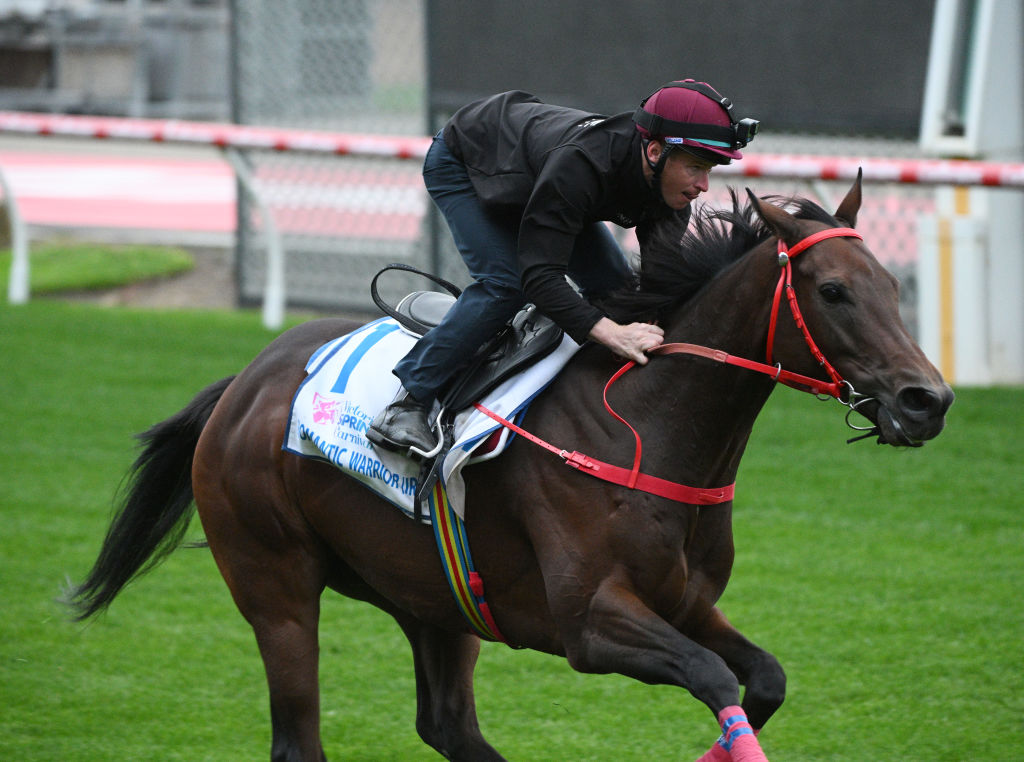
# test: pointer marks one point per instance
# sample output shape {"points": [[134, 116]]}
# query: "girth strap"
{"points": [[465, 582]]}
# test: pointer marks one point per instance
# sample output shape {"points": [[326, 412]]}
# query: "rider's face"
{"points": [[683, 178]]}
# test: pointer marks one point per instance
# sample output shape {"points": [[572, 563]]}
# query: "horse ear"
{"points": [[781, 222], [847, 211]]}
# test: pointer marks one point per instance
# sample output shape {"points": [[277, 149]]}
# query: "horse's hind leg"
{"points": [[288, 644], [276, 585], [445, 706]]}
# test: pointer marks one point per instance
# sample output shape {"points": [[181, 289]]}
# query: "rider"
{"points": [[525, 188]]}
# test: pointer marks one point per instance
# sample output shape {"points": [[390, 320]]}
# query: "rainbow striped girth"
{"points": [[466, 584]]}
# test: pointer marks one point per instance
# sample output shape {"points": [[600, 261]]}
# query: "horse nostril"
{"points": [[919, 402]]}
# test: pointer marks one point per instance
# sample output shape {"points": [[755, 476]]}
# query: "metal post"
{"points": [[18, 283], [434, 225], [274, 290]]}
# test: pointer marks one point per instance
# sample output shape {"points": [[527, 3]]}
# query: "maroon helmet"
{"points": [[696, 117]]}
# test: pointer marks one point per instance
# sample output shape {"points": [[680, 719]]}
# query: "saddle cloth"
{"points": [[349, 380]]}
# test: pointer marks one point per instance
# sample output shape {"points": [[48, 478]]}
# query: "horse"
{"points": [[612, 578]]}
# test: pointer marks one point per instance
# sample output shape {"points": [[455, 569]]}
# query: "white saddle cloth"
{"points": [[349, 381]]}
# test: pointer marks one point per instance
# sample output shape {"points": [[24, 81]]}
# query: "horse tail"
{"points": [[156, 506]]}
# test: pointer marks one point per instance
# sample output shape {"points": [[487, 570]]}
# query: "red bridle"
{"points": [[835, 387], [709, 496], [786, 283]]}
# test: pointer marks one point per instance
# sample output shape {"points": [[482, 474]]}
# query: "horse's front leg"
{"points": [[619, 633], [756, 669], [445, 707]]}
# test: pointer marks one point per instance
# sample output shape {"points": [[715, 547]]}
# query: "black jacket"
{"points": [[562, 170]]}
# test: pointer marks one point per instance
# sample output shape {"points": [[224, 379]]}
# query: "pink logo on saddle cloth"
{"points": [[324, 410]]}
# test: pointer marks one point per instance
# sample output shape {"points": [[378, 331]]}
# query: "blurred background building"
{"points": [[127, 57]]}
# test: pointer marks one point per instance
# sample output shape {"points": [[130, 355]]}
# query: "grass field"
{"points": [[61, 265], [887, 582]]}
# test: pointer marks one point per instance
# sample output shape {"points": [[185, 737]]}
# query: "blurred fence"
{"points": [[931, 236], [360, 66], [338, 206], [351, 66]]}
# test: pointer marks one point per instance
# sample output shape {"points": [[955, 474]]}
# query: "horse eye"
{"points": [[831, 293]]}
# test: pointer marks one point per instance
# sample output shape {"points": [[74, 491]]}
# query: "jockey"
{"points": [[526, 188]]}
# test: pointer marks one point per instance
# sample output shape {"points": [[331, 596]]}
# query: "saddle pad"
{"points": [[349, 381]]}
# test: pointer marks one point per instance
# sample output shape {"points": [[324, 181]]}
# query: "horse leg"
{"points": [[619, 633], [445, 705], [756, 669], [290, 651], [277, 589]]}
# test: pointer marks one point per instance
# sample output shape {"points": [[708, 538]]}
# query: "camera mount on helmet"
{"points": [[735, 136]]}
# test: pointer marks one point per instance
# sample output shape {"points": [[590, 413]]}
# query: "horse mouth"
{"points": [[912, 429], [886, 429], [892, 432]]}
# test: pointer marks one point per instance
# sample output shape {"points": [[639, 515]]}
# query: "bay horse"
{"points": [[614, 579]]}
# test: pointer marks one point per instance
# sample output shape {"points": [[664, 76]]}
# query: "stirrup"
{"points": [[436, 428]]}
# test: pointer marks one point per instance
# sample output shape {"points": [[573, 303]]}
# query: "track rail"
{"points": [[241, 137]]}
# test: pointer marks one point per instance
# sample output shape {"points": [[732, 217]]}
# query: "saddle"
{"points": [[525, 339]]}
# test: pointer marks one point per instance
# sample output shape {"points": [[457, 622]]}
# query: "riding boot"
{"points": [[401, 425]]}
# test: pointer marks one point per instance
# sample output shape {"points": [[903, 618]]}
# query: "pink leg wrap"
{"points": [[716, 753], [738, 742]]}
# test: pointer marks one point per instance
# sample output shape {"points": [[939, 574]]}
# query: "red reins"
{"points": [[833, 388], [632, 478], [628, 478]]}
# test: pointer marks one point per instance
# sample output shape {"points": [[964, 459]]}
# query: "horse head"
{"points": [[850, 305]]}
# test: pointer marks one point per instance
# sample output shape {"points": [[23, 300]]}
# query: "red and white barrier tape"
{"points": [[802, 167], [908, 171], [214, 134]]}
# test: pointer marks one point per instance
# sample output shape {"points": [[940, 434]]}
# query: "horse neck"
{"points": [[713, 405], [731, 312]]}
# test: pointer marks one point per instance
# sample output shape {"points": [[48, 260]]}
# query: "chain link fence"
{"points": [[341, 65], [359, 66]]}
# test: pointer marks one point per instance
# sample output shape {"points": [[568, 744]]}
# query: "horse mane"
{"points": [[677, 261]]}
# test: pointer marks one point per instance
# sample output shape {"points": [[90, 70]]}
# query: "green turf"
{"points": [[887, 582], [65, 265]]}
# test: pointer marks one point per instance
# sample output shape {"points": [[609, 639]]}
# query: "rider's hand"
{"points": [[627, 341]]}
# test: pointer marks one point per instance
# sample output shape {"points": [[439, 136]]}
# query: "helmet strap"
{"points": [[657, 166]]}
